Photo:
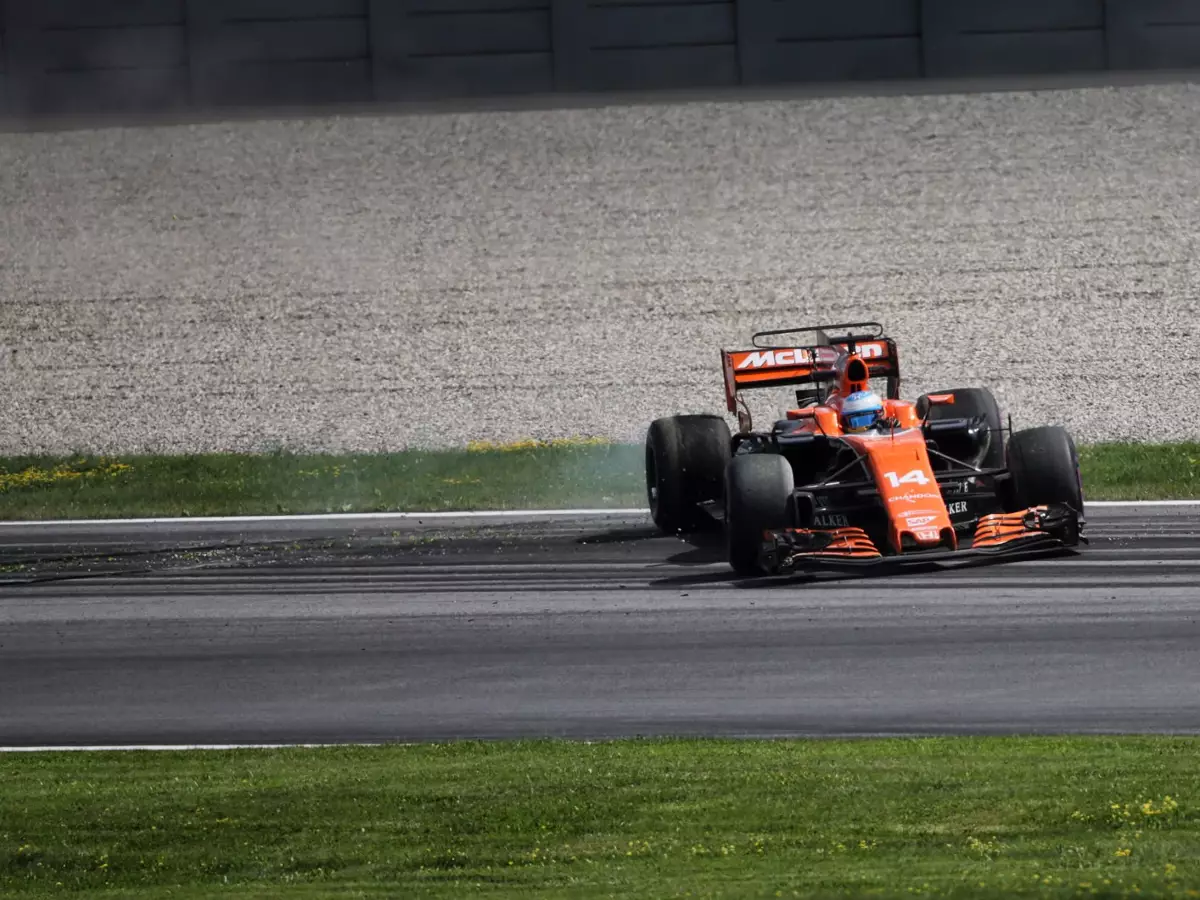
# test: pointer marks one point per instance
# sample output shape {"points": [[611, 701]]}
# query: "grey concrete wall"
{"points": [[814, 40], [1154, 34], [984, 37], [279, 51], [618, 44], [433, 48], [81, 55], [3, 61], [71, 56]]}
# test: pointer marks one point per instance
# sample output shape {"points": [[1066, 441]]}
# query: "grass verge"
{"points": [[1141, 471], [525, 475], [959, 817]]}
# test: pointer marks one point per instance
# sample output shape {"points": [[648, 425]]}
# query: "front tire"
{"points": [[685, 466], [1045, 469], [757, 489]]}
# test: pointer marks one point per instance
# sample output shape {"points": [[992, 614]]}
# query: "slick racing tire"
{"points": [[757, 489], [685, 465], [1045, 469], [969, 402]]}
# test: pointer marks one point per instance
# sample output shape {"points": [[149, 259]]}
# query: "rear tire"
{"points": [[685, 466], [1045, 469], [757, 489], [969, 402]]}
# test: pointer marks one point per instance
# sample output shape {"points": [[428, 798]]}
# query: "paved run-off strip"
{"points": [[374, 283]]}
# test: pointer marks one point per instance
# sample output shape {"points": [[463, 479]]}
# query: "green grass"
{"points": [[564, 475], [963, 817], [1141, 471], [280, 483]]}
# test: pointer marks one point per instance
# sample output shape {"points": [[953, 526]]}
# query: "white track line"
{"points": [[1116, 504], [126, 748], [502, 514], [337, 517]]}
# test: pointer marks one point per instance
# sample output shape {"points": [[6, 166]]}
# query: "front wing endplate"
{"points": [[1001, 535]]}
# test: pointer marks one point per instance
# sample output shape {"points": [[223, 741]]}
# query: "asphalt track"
{"points": [[591, 627]]}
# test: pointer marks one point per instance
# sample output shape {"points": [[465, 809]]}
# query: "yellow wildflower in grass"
{"points": [[36, 477], [987, 849], [534, 444], [1166, 806], [1144, 813], [1123, 851], [638, 848]]}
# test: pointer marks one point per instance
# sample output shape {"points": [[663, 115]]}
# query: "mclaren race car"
{"points": [[933, 480]]}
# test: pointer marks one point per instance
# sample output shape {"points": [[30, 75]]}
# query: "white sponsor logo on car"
{"points": [[913, 496], [767, 358], [799, 356]]}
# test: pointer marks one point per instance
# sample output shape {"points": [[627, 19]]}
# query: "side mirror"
{"points": [[932, 400]]}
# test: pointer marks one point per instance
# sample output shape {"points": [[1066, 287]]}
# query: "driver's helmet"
{"points": [[861, 410]]}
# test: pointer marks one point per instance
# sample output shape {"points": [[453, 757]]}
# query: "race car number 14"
{"points": [[916, 476]]}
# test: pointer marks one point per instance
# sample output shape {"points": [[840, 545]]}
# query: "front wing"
{"points": [[1029, 532]]}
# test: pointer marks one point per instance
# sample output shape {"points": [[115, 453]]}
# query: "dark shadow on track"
{"points": [[794, 579]]}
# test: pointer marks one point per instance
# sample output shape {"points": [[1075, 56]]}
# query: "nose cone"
{"points": [[917, 514]]}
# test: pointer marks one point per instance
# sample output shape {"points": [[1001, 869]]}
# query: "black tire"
{"points": [[685, 466], [757, 489], [1045, 469], [970, 402]]}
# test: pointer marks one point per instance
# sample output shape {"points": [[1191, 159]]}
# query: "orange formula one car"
{"points": [[853, 478]]}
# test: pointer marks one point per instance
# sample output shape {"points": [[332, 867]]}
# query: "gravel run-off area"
{"points": [[382, 282]]}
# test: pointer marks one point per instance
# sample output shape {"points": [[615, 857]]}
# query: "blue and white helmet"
{"points": [[861, 410]]}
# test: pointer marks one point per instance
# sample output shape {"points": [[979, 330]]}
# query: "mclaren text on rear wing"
{"points": [[776, 366]]}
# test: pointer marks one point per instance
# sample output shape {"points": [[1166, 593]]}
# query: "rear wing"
{"points": [[774, 366]]}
